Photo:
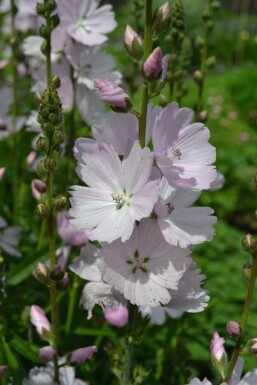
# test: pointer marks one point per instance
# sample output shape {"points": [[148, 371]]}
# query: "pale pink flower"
{"points": [[90, 64], [96, 292], [9, 238], [118, 193], [2, 172], [112, 94], [116, 316], [181, 149], [145, 267], [79, 356], [31, 158], [152, 67], [189, 297], [180, 224], [47, 353], [90, 107], [84, 22], [38, 187], [67, 233], [39, 320]]}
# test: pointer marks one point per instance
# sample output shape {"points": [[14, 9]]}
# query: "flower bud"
{"points": [[252, 346], [56, 81], [113, 95], [210, 25], [2, 371], [42, 172], [246, 272], [50, 5], [39, 320], [211, 61], [60, 203], [64, 283], [2, 172], [152, 67], [79, 356], [116, 316], [218, 353], [249, 244], [215, 6], [47, 353], [206, 15], [40, 9], [50, 164], [42, 272], [44, 47], [42, 144], [31, 158], [54, 21], [44, 31], [233, 329], [56, 273], [203, 116], [37, 187], [198, 77], [162, 18], [42, 211], [133, 43]]}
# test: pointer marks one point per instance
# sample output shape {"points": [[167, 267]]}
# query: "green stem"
{"points": [[245, 315], [126, 377], [72, 301], [41, 235], [147, 52], [203, 72]]}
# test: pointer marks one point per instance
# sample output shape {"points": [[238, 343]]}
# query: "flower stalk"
{"points": [[245, 315]]}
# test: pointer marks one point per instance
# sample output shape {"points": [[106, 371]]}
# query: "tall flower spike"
{"points": [[119, 192]]}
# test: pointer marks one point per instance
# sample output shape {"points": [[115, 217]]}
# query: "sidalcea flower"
{"points": [[9, 238], [116, 316], [79, 356], [152, 67], [39, 320], [182, 225], [119, 192], [37, 187], [84, 22], [47, 353], [96, 292], [45, 375], [144, 268], [2, 172], [133, 43], [112, 94], [90, 64], [67, 233], [182, 152], [189, 297]]}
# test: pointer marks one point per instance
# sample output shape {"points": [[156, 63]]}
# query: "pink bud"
{"points": [[2, 172], [79, 356], [39, 320], [67, 233], [63, 283], [252, 346], [37, 188], [152, 67], [112, 94], [47, 353], [116, 316], [133, 43], [218, 352], [233, 329], [31, 158], [165, 10], [41, 272], [2, 371]]}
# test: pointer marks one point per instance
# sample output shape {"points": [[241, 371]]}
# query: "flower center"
{"points": [[138, 263], [175, 153], [121, 199], [169, 207], [82, 23]]}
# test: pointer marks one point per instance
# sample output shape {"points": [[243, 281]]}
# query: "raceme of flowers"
{"points": [[137, 204]]}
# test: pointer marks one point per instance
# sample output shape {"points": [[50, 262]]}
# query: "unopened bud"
{"points": [[42, 211], [56, 81], [79, 356], [249, 244], [50, 5], [133, 43], [198, 77], [206, 15], [54, 21], [210, 25], [57, 273], [152, 67], [246, 272], [233, 329], [252, 346], [162, 18], [47, 353], [215, 6], [64, 283], [199, 42], [40, 9], [42, 144], [203, 116], [47, 127], [60, 203], [218, 353], [42, 172], [39, 320], [55, 118], [211, 61], [44, 31], [42, 272], [44, 48], [50, 164], [58, 137]]}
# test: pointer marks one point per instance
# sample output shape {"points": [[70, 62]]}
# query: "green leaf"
{"points": [[82, 331], [26, 349], [10, 357]]}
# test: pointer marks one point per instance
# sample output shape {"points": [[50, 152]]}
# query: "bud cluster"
{"points": [[57, 274]]}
